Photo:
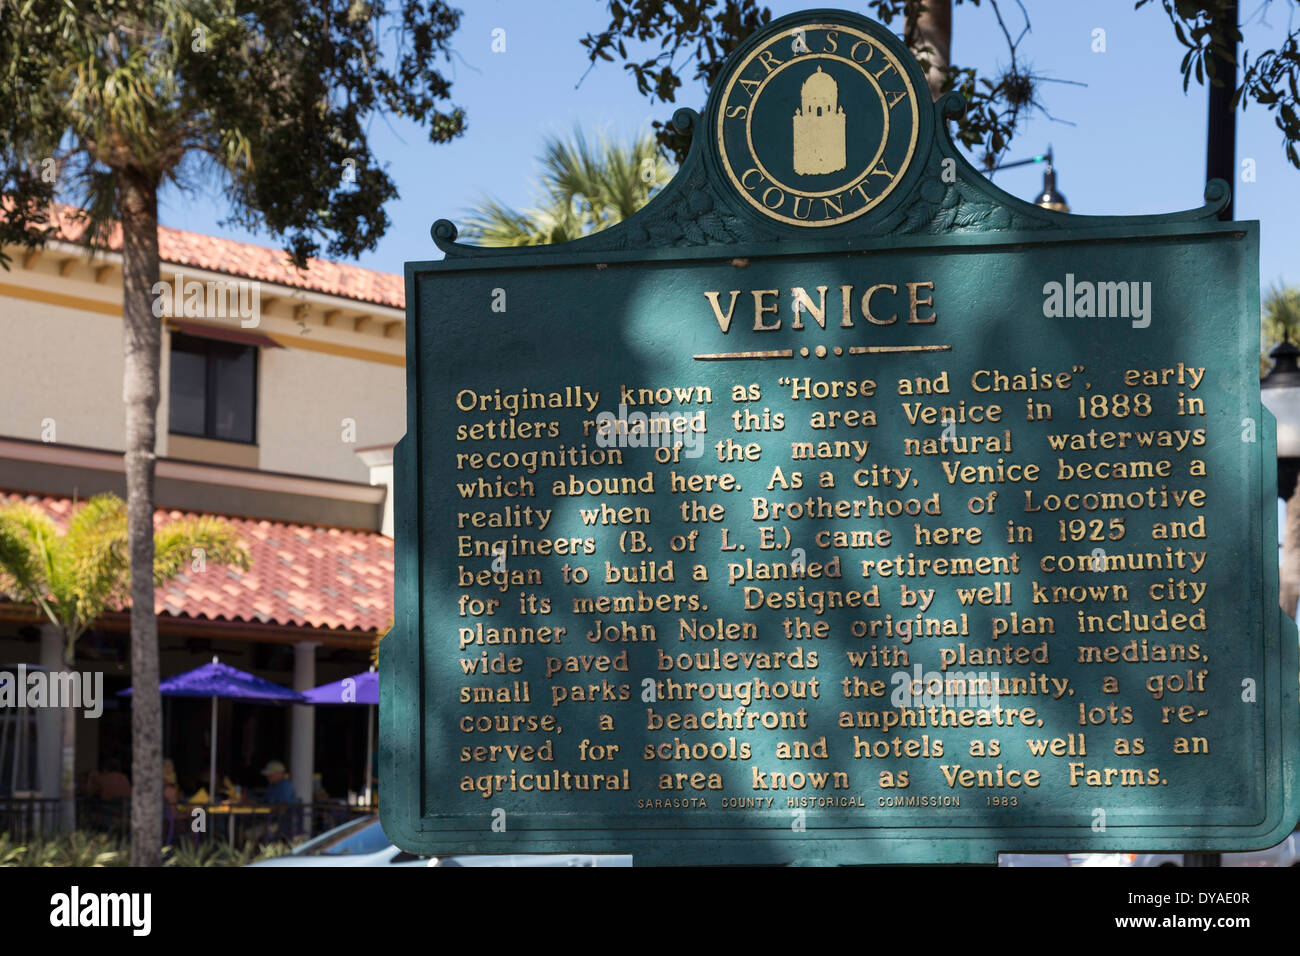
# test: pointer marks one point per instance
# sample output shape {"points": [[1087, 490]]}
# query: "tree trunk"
{"points": [[928, 31], [141, 338], [68, 764], [1290, 583]]}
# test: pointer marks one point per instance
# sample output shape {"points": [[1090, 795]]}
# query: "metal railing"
{"points": [[25, 818]]}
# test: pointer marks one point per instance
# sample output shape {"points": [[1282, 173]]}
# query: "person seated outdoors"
{"points": [[287, 823], [278, 787]]}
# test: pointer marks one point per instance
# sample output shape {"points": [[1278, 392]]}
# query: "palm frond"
{"points": [[29, 546], [75, 577], [97, 568], [570, 170], [495, 224], [584, 187], [180, 543], [1279, 321], [1282, 310]]}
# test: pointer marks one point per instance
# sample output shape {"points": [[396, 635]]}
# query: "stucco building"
{"points": [[282, 393]]}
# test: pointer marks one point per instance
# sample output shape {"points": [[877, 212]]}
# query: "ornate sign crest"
{"points": [[789, 143]]}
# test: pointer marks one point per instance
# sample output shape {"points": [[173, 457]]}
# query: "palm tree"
{"points": [[104, 103], [73, 577], [584, 188]]}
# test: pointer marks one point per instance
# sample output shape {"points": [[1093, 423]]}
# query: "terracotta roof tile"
{"points": [[179, 247], [292, 583]]}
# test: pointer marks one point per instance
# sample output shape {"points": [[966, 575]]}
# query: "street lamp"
{"points": [[1280, 392], [1049, 198]]}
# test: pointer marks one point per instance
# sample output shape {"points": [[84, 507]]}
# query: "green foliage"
{"points": [[703, 34], [175, 542], [73, 577], [694, 39], [85, 848], [1279, 321], [585, 187], [1270, 78], [270, 851], [11, 853], [186, 853], [81, 848], [272, 96]]}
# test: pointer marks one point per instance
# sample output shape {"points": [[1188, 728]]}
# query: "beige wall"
{"points": [[64, 364], [303, 399], [61, 359]]}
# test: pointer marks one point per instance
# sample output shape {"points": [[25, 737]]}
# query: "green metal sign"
{"points": [[839, 507]]}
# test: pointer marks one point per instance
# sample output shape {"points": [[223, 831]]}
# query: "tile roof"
{"points": [[178, 247], [301, 575]]}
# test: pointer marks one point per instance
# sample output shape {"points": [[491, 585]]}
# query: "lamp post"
{"points": [[1280, 392], [1049, 198], [1221, 124]]}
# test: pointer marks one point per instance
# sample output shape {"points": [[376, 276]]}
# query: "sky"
{"points": [[1126, 139]]}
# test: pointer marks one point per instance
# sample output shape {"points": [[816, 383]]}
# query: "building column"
{"points": [[379, 459], [302, 741], [49, 720]]}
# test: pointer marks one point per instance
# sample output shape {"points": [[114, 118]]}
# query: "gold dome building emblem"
{"points": [[819, 127]]}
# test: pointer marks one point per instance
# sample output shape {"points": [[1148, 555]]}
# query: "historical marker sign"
{"points": [[839, 506]]}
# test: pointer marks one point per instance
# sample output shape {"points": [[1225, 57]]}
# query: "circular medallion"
{"points": [[818, 124]]}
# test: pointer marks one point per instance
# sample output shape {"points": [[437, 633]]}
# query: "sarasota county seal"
{"points": [[818, 124]]}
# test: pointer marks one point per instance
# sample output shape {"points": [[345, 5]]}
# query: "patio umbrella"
{"points": [[217, 680], [358, 689]]}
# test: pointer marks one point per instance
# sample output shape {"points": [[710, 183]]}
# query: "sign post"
{"points": [[839, 507]]}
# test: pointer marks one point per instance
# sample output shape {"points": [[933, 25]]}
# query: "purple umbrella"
{"points": [[358, 689], [217, 680]]}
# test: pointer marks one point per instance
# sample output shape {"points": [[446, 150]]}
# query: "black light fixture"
{"points": [[1049, 198], [1280, 392]]}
